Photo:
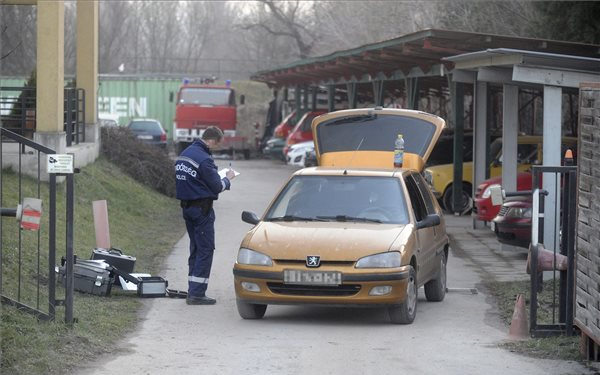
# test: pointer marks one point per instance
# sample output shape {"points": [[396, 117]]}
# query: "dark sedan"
{"points": [[512, 225], [149, 131]]}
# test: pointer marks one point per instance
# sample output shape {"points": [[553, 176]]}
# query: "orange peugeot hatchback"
{"points": [[354, 231]]}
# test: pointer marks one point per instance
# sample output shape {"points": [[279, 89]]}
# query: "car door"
{"points": [[426, 237]]}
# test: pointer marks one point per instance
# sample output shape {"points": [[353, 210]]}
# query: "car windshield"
{"points": [[340, 198], [206, 96], [146, 126]]}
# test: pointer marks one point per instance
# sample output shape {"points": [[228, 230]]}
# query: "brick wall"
{"points": [[587, 306]]}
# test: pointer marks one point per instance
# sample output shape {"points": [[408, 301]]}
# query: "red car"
{"points": [[512, 225], [302, 131], [285, 127], [483, 201]]}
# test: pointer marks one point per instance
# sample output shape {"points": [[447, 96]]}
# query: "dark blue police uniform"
{"points": [[198, 184]]}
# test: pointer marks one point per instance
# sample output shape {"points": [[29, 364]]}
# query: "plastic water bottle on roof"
{"points": [[399, 151]]}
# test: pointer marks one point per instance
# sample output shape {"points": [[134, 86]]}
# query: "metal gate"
{"points": [[561, 250], [28, 258]]}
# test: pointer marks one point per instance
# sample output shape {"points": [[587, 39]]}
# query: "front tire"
{"points": [[405, 313], [465, 202], [435, 290], [250, 310]]}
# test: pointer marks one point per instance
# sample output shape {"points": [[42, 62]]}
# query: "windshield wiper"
{"points": [[350, 119], [349, 218], [294, 218]]}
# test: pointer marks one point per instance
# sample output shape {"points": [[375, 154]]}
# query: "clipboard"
{"points": [[223, 172]]}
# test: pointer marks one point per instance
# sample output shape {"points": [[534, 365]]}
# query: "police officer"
{"points": [[198, 184]]}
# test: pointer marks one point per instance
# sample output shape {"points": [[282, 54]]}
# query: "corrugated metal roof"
{"points": [[419, 54]]}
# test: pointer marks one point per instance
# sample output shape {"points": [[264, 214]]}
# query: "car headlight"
{"points": [[488, 190], [247, 256], [383, 260], [519, 212]]}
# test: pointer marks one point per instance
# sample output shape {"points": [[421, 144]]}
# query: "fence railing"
{"points": [[28, 258], [564, 180], [18, 112]]}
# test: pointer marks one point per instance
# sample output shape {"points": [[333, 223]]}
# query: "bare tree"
{"points": [[510, 17], [70, 42], [17, 39], [115, 34], [347, 24], [293, 20]]}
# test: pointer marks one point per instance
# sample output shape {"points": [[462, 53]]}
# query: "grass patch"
{"points": [[143, 223], [559, 347]]}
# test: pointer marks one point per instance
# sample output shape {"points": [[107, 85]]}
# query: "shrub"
{"points": [[145, 163]]}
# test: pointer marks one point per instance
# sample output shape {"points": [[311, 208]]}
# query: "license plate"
{"points": [[312, 277], [493, 226], [145, 137]]}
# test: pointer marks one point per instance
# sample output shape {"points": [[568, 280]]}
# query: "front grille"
{"points": [[503, 211], [296, 262], [314, 290]]}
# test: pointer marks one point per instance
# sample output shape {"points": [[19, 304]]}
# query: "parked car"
{"points": [[440, 177], [443, 152], [149, 131], [297, 153], [274, 148], [483, 207], [354, 231], [285, 126], [302, 132], [512, 225], [108, 120]]}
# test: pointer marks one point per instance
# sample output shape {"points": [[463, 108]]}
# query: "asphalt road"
{"points": [[457, 336]]}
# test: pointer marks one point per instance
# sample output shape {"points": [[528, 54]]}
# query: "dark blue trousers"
{"points": [[201, 230]]}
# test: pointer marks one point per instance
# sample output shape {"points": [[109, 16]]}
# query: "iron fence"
{"points": [[28, 258], [18, 112], [564, 204]]}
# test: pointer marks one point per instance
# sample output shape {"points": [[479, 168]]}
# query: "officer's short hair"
{"points": [[212, 132]]}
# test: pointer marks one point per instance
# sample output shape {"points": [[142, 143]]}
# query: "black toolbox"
{"points": [[115, 258], [93, 277]]}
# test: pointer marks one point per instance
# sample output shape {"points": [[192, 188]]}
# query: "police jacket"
{"points": [[196, 174]]}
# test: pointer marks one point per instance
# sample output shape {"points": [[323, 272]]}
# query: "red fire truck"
{"points": [[199, 106]]}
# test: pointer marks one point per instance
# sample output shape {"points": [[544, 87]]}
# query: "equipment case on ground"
{"points": [[91, 277], [115, 258], [153, 286]]}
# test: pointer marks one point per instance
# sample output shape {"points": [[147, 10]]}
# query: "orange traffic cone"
{"points": [[519, 327]]}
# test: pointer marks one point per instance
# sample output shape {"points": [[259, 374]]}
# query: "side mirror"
{"points": [[429, 221], [242, 99], [250, 217], [171, 96]]}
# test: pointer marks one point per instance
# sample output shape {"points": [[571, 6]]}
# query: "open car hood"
{"points": [[357, 138]]}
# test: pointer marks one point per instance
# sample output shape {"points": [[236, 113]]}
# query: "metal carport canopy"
{"points": [[513, 68], [414, 55]]}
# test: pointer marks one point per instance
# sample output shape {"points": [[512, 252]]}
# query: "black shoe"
{"points": [[204, 300]]}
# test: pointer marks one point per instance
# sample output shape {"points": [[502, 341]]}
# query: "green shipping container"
{"points": [[133, 97]]}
